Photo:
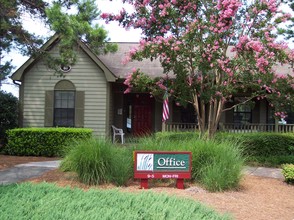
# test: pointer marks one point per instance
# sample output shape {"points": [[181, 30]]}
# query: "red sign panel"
{"points": [[162, 165]]}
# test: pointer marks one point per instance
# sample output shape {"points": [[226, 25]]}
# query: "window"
{"points": [[242, 114], [64, 108]]}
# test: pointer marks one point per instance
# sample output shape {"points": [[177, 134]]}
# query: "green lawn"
{"points": [[47, 201]]}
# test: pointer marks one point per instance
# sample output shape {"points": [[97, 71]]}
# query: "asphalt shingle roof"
{"points": [[114, 61]]}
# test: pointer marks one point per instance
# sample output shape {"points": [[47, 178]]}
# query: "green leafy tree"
{"points": [[8, 113], [288, 30], [71, 19], [211, 50]]}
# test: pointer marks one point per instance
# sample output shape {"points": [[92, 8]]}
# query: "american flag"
{"points": [[165, 109]]}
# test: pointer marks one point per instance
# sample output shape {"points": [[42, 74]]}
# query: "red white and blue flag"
{"points": [[165, 109]]}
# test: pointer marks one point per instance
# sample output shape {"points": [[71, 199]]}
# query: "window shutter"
{"points": [[79, 109], [49, 108]]}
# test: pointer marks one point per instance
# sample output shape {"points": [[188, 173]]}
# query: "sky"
{"points": [[116, 34]]}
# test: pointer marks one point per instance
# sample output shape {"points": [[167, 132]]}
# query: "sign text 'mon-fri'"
{"points": [[159, 164]]}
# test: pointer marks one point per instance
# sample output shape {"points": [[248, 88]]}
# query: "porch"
{"points": [[231, 127]]}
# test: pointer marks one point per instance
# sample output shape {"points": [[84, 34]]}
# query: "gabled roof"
{"points": [[114, 61], [17, 75]]}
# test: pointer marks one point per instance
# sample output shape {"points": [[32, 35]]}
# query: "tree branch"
{"points": [[241, 103]]}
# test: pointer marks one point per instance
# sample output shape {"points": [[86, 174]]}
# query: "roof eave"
{"points": [[110, 77]]}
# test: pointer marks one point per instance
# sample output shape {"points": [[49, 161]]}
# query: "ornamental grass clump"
{"points": [[121, 165], [90, 160], [97, 161], [218, 166]]}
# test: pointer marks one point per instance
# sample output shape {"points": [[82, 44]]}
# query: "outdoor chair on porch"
{"points": [[117, 132]]}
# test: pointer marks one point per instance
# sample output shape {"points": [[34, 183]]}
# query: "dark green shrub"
{"points": [[42, 141], [8, 114], [288, 172], [97, 161], [266, 149], [263, 144], [270, 161]]}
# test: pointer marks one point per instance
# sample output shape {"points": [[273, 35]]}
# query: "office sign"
{"points": [[161, 165]]}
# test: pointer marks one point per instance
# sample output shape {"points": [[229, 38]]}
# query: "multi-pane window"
{"points": [[242, 114], [64, 108]]}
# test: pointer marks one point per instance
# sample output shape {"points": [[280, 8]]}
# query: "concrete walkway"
{"points": [[22, 172], [25, 171], [265, 172]]}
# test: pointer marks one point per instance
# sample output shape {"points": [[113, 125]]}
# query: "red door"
{"points": [[142, 119], [142, 105]]}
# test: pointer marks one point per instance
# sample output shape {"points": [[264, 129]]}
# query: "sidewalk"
{"points": [[25, 171], [264, 172]]}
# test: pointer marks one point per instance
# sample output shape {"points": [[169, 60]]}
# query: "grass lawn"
{"points": [[47, 201]]}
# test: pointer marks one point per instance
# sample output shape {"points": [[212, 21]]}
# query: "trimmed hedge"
{"points": [[42, 141], [263, 144]]}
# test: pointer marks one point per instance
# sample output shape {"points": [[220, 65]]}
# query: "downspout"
{"points": [[20, 115]]}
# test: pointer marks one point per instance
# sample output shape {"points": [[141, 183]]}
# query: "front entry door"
{"points": [[142, 113], [142, 119]]}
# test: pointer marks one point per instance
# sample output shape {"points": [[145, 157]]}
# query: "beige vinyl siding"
{"points": [[85, 75]]}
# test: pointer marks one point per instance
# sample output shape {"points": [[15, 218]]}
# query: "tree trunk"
{"points": [[201, 114], [214, 111]]}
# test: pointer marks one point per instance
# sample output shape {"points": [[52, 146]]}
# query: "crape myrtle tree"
{"points": [[71, 19], [210, 50]]}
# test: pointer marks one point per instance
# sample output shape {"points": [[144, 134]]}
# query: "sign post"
{"points": [[162, 165]]}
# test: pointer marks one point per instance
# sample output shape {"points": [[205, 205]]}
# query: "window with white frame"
{"points": [[64, 108]]}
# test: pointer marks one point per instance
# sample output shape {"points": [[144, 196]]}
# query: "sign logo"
{"points": [[145, 162]]}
